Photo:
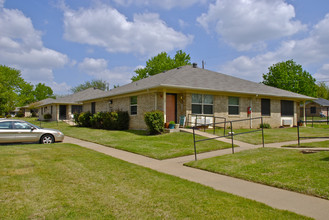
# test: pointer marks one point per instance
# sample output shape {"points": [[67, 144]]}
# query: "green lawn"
{"points": [[64, 181], [320, 144], [156, 146], [275, 135], [287, 169]]}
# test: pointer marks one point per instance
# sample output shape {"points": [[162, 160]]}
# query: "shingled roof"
{"points": [[189, 77], [73, 99], [322, 102]]}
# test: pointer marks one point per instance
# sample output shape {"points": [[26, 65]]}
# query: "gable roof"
{"points": [[75, 98], [189, 77], [322, 102]]}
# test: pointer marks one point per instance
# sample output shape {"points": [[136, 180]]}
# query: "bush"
{"points": [[265, 125], [47, 116], [84, 119], [123, 120], [103, 120], [20, 114], [96, 121], [34, 114], [76, 118], [154, 121]]}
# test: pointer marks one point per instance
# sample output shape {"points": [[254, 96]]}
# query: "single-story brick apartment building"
{"points": [[316, 108], [189, 90], [63, 108]]}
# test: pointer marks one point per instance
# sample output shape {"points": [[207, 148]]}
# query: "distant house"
{"points": [[189, 90], [316, 107], [63, 108]]}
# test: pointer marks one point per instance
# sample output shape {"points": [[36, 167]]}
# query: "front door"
{"points": [[62, 112], [171, 108]]}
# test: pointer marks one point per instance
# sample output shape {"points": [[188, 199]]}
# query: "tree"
{"points": [[322, 90], [98, 84], [290, 76], [42, 91], [161, 62], [11, 85]]}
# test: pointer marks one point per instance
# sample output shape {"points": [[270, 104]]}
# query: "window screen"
{"points": [[287, 108], [266, 107]]}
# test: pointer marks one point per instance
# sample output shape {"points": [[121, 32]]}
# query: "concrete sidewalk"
{"points": [[278, 198]]}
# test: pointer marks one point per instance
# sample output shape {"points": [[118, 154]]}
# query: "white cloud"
{"points": [[98, 68], [166, 4], [248, 23], [106, 27], [2, 2], [323, 73], [21, 47], [310, 51]]}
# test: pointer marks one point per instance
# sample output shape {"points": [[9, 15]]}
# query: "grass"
{"points": [[320, 144], [275, 135], [156, 146], [64, 181], [287, 169]]}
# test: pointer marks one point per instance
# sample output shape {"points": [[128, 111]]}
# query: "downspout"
{"points": [[155, 101], [304, 113], [164, 106]]}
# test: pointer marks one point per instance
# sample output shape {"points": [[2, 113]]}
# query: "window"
{"points": [[313, 110], [287, 108], [233, 106], [133, 105], [76, 109], [6, 125], [202, 104], [93, 107], [22, 125], [266, 107]]}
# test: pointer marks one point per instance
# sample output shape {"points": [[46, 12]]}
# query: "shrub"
{"points": [[265, 125], [97, 120], [76, 118], [84, 119], [47, 116], [154, 121], [34, 114], [20, 114], [123, 120]]}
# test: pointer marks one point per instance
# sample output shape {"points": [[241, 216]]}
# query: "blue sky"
{"points": [[64, 43]]}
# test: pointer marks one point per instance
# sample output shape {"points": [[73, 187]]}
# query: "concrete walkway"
{"points": [[278, 198]]}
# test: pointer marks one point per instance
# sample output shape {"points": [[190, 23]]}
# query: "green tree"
{"points": [[161, 62], [98, 84], [42, 91], [322, 90], [11, 86], [290, 76]]}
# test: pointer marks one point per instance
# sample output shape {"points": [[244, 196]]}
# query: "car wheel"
{"points": [[47, 139]]}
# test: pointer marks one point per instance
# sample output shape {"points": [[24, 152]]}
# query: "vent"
{"points": [[195, 65]]}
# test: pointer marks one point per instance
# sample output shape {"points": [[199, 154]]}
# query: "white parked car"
{"points": [[18, 131]]}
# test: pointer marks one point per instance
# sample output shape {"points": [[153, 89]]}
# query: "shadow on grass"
{"points": [[325, 159]]}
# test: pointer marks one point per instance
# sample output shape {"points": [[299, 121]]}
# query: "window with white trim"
{"points": [[233, 105], [202, 104], [133, 105]]}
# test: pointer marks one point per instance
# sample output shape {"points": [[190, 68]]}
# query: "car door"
{"points": [[24, 132], [7, 133]]}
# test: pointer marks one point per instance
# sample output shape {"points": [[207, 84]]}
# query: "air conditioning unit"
{"points": [[286, 122]]}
